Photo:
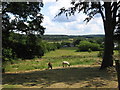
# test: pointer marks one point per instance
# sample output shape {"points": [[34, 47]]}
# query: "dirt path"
{"points": [[82, 76]]}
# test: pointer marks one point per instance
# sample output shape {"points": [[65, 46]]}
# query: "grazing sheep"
{"points": [[65, 63], [49, 65]]}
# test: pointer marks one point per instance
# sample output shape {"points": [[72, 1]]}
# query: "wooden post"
{"points": [[117, 62]]}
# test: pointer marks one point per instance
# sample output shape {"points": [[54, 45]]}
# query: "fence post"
{"points": [[117, 62]]}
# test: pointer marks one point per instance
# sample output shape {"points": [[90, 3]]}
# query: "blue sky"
{"points": [[73, 25]]}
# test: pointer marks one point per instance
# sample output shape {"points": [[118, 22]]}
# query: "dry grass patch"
{"points": [[83, 76]]}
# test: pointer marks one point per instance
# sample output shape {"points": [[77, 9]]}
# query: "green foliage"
{"points": [[76, 42], [24, 13], [55, 38], [8, 55], [86, 46], [91, 38], [66, 43], [49, 46], [27, 20], [20, 46], [58, 45]]}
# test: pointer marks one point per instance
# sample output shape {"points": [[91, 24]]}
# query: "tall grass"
{"points": [[56, 58]]}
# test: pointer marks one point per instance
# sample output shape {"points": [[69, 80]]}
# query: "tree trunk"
{"points": [[108, 52], [108, 44]]}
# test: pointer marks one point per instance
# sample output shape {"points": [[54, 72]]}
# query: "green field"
{"points": [[56, 58], [83, 73]]}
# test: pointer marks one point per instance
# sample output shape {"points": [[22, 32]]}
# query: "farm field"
{"points": [[83, 73]]}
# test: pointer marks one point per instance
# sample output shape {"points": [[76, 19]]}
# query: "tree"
{"points": [[27, 17], [76, 42], [109, 14], [20, 17]]}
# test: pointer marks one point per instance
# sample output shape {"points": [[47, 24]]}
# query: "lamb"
{"points": [[49, 65], [65, 63]]}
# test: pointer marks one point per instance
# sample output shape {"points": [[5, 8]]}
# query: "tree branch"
{"points": [[114, 12], [103, 17], [118, 5]]}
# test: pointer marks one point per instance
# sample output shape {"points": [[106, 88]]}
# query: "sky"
{"points": [[74, 25]]}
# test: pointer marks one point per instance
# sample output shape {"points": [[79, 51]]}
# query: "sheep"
{"points": [[49, 65], [65, 63]]}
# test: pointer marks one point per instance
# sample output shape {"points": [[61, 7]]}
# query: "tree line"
{"points": [[20, 46]]}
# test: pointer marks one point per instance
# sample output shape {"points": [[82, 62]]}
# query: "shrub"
{"points": [[86, 46], [66, 44], [95, 47], [8, 55]]}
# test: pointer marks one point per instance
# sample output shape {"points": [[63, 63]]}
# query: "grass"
{"points": [[85, 76], [82, 74], [56, 58], [12, 86]]}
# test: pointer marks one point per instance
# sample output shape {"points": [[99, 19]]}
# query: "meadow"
{"points": [[55, 57], [83, 73]]}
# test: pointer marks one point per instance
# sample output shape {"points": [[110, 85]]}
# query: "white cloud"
{"points": [[47, 21], [48, 1], [54, 9], [72, 26]]}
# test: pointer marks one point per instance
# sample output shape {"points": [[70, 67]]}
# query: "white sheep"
{"points": [[65, 63]]}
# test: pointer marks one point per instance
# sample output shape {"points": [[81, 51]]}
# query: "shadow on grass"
{"points": [[46, 78]]}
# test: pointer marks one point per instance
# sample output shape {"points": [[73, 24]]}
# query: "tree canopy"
{"points": [[92, 8], [27, 17]]}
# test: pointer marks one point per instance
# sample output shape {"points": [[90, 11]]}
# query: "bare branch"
{"points": [[118, 4], [101, 12], [114, 12], [88, 19]]}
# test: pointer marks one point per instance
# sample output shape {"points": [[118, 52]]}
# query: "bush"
{"points": [[66, 44], [58, 45], [86, 46], [8, 55]]}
